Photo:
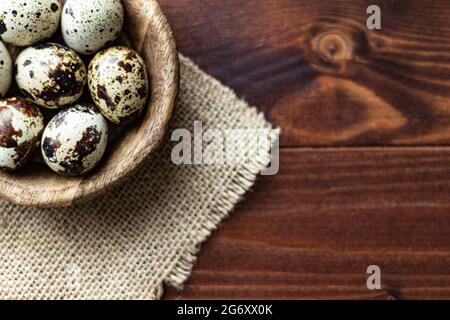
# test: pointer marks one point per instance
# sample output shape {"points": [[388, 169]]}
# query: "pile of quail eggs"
{"points": [[51, 79]]}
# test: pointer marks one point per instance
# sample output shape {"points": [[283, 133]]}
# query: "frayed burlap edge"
{"points": [[238, 186]]}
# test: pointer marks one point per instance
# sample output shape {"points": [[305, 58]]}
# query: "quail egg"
{"points": [[26, 22], [6, 70], [75, 140], [21, 126], [88, 26], [50, 75], [118, 83]]}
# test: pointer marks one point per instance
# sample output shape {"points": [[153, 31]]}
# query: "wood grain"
{"points": [[312, 230], [320, 74], [331, 84], [147, 31]]}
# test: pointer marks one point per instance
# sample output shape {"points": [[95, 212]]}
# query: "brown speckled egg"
{"points": [[118, 83], [26, 22], [21, 126], [6, 70], [88, 26], [50, 75], [75, 140]]}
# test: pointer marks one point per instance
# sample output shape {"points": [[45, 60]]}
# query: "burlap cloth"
{"points": [[143, 234]]}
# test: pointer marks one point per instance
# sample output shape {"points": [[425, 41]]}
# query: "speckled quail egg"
{"points": [[118, 83], [50, 75], [26, 22], [75, 140], [6, 70], [88, 26], [21, 126]]}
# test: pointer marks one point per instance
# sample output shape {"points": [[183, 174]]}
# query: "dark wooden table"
{"points": [[365, 158]]}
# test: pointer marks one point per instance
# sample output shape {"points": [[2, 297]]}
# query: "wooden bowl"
{"points": [[148, 31]]}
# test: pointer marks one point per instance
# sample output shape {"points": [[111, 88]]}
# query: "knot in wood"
{"points": [[335, 48]]}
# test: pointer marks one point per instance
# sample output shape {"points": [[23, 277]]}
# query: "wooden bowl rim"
{"points": [[17, 194]]}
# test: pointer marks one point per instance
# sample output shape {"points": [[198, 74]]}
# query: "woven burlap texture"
{"points": [[143, 234]]}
